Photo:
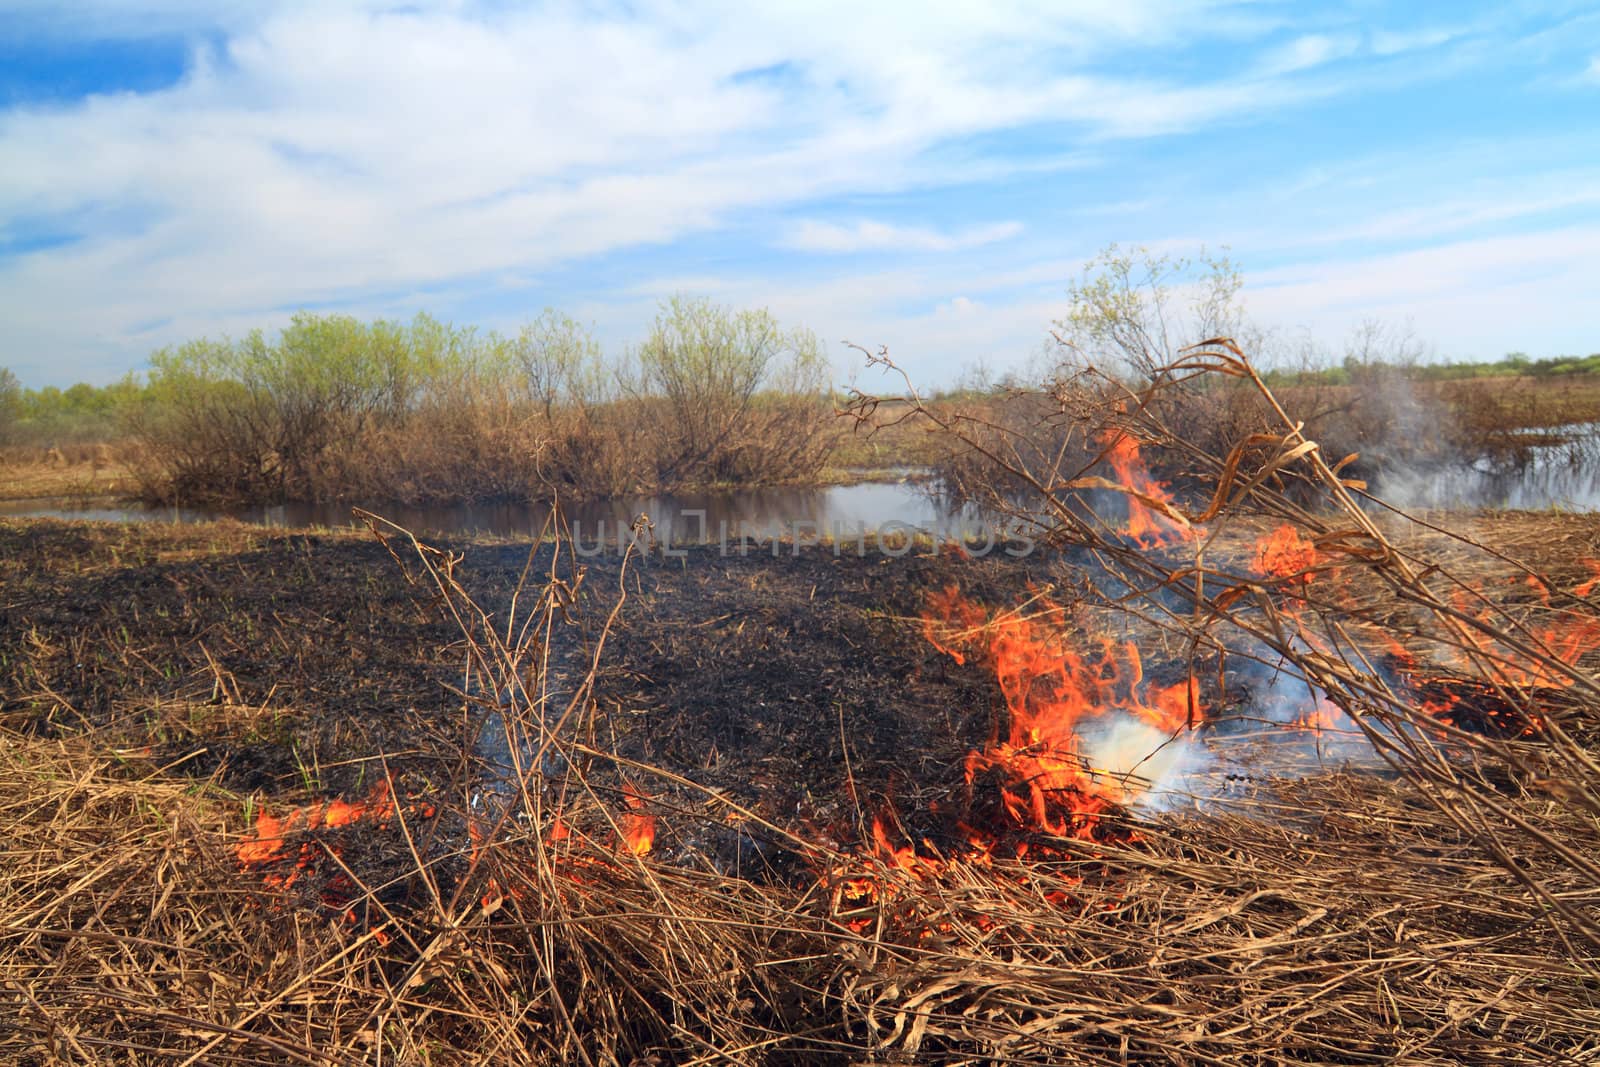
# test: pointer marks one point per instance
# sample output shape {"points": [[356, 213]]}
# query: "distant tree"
{"points": [[1376, 349], [1139, 309], [10, 405], [560, 362]]}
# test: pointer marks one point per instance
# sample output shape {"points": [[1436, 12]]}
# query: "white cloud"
{"points": [[1472, 299], [333, 154], [359, 155], [868, 236], [1492, 202], [1307, 51], [1389, 43]]}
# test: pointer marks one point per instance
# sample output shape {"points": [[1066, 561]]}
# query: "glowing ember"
{"points": [[271, 831], [1325, 717], [268, 848], [1568, 638], [1587, 587], [1467, 704], [637, 825]]}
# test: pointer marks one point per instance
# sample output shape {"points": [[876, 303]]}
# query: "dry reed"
{"points": [[1443, 909]]}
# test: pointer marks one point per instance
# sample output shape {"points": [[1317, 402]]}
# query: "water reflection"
{"points": [[759, 514], [1565, 474]]}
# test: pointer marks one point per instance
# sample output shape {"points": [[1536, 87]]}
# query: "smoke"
{"points": [[1282, 698], [1131, 753], [1422, 452]]}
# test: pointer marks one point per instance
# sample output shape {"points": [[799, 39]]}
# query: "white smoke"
{"points": [[1153, 768]]}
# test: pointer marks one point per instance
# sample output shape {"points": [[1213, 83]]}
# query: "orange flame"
{"points": [[1147, 526], [637, 825], [1285, 553], [1325, 717], [1052, 691], [1585, 588], [1566, 639], [267, 843]]}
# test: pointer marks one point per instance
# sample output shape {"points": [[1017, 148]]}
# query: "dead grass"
{"points": [[1443, 909], [89, 470], [1337, 919], [885, 442]]}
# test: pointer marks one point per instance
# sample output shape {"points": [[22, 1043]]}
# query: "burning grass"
{"points": [[1342, 918], [832, 810], [1319, 916]]}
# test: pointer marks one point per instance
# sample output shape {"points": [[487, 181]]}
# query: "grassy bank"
{"points": [[76, 471]]}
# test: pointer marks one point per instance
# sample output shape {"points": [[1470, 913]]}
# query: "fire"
{"points": [[267, 849], [1087, 735], [1471, 695], [1326, 717], [1284, 553], [1148, 526], [267, 844], [1583, 589], [1567, 638], [1485, 684], [1087, 730], [638, 826]]}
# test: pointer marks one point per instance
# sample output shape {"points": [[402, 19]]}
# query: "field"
{"points": [[1255, 773], [168, 685], [73, 472]]}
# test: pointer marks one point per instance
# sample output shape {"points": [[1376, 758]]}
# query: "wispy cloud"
{"points": [[868, 236], [1450, 216], [1305, 52], [1391, 42], [372, 155], [1473, 298], [321, 153]]}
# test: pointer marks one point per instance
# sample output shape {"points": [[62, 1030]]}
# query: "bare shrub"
{"points": [[590, 437], [473, 442], [1132, 314], [1136, 310]]}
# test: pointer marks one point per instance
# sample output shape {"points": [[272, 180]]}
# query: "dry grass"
{"points": [[90, 470], [886, 442], [1341, 918], [1445, 909]]}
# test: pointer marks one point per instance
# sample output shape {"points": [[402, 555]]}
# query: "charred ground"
{"points": [[286, 661], [1350, 917]]}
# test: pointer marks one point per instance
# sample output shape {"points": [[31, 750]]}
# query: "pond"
{"points": [[841, 512], [1564, 474]]}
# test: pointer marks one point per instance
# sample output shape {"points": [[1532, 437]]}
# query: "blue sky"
{"points": [[923, 176]]}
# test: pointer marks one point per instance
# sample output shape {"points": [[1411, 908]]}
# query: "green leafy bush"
{"points": [[426, 412]]}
